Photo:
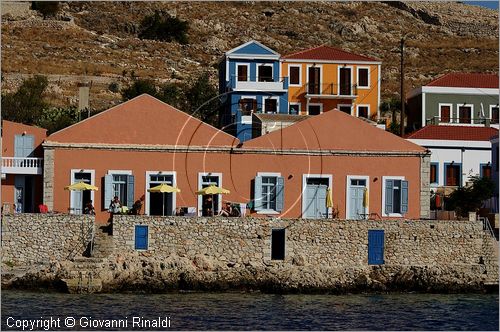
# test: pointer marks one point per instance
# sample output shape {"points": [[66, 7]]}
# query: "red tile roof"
{"points": [[324, 52], [467, 80], [454, 133]]}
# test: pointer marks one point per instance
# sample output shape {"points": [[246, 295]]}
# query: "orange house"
{"points": [[144, 142], [324, 78], [22, 167]]}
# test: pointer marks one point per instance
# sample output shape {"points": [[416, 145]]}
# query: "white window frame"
{"points": [[363, 105], [148, 178], [277, 103], [347, 105], [471, 113], [315, 104], [257, 65], [246, 64], [71, 181], [357, 77], [304, 184], [200, 198], [320, 77], [297, 104], [251, 97], [133, 238], [491, 111], [348, 193], [269, 174], [451, 112], [120, 172], [384, 178], [338, 80], [300, 74]]}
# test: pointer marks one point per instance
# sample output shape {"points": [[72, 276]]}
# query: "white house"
{"points": [[457, 152]]}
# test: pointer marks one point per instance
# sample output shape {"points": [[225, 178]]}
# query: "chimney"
{"points": [[83, 96]]}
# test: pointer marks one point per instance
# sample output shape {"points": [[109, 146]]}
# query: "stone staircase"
{"points": [[103, 243], [85, 276], [490, 258]]}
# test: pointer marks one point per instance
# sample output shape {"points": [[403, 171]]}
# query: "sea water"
{"points": [[249, 311]]}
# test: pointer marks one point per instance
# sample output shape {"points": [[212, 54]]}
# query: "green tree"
{"points": [[57, 118], [46, 8], [392, 105], [173, 94], [26, 104], [164, 27], [138, 87], [201, 100], [471, 198]]}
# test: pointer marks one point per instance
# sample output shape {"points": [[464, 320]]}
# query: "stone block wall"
{"points": [[30, 238], [330, 243]]}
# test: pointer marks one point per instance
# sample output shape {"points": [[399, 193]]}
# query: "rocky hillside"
{"points": [[98, 40]]}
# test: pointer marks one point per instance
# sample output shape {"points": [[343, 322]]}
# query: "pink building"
{"points": [[144, 142]]}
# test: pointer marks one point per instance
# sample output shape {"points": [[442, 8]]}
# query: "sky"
{"points": [[488, 4]]}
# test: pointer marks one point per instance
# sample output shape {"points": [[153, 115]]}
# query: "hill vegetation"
{"points": [[109, 44]]}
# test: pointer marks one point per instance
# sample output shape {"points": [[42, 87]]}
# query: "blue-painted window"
{"points": [[453, 174], [141, 237], [396, 196], [269, 193], [434, 173], [376, 240]]}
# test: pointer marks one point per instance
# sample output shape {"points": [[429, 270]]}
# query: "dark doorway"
{"points": [[278, 244]]}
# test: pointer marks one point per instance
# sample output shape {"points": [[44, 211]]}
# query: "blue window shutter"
{"points": [[141, 237], [18, 146], [404, 197], [29, 145], [108, 191], [130, 191], [258, 194], [389, 192], [280, 193]]}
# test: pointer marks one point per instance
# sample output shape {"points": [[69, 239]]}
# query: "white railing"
{"points": [[19, 165]]}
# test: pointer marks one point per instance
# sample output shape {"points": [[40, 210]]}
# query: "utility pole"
{"points": [[402, 120]]}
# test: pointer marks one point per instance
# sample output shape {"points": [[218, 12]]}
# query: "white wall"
{"points": [[442, 151]]}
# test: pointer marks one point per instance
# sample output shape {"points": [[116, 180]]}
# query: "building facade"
{"points": [[455, 99], [457, 153], [324, 78], [22, 167], [250, 81], [287, 173]]}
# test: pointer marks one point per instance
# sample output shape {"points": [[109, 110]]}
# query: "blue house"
{"points": [[250, 82]]}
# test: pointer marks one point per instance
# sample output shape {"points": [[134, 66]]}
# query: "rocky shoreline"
{"points": [[173, 273]]}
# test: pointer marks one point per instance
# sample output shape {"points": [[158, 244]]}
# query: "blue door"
{"points": [[141, 237], [315, 201], [375, 246]]}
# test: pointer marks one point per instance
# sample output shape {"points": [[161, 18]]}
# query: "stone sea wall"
{"points": [[235, 254], [329, 243], [43, 238]]}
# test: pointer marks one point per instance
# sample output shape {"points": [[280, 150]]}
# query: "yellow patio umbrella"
{"points": [[81, 186], [329, 200], [164, 188], [212, 190]]}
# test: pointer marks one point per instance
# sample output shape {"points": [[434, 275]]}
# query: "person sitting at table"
{"points": [[89, 208], [226, 210]]}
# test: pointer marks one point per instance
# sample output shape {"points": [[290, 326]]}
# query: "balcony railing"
{"points": [[17, 165], [331, 90], [263, 84], [436, 120]]}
